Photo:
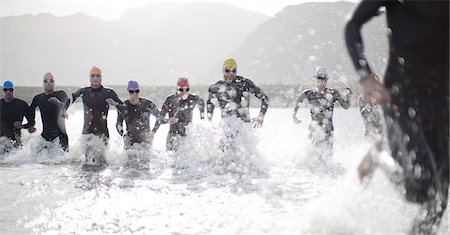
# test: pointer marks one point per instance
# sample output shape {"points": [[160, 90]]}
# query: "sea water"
{"points": [[268, 183]]}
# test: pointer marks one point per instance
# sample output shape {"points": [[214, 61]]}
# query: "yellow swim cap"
{"points": [[230, 63]]}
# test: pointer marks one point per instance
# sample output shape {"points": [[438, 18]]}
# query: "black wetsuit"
{"points": [[137, 119], [181, 109], [321, 106], [53, 125], [372, 115], [10, 113], [234, 98], [417, 78], [96, 109]]}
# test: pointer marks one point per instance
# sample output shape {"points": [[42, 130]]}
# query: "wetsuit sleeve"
{"points": [[299, 99], [338, 97], [67, 104], [153, 109], [116, 98], [363, 13], [361, 103], [201, 106], [209, 103], [24, 110], [119, 123], [31, 114], [64, 99], [121, 106], [77, 94], [258, 93], [162, 115]]}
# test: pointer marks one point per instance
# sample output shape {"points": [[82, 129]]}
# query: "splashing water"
{"points": [[261, 181]]}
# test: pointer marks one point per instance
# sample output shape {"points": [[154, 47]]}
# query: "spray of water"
{"points": [[264, 181]]}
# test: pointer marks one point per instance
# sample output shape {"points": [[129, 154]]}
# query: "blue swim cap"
{"points": [[320, 71], [8, 84], [133, 85]]}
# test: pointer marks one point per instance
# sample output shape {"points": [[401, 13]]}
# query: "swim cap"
{"points": [[133, 85], [230, 63], [8, 84], [320, 70], [182, 82], [95, 70]]}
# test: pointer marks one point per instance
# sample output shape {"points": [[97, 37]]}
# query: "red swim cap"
{"points": [[183, 82]]}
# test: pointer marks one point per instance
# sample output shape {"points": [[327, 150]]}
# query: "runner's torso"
{"points": [[181, 109], [321, 106], [234, 97], [96, 109], [10, 113], [137, 117], [53, 125]]}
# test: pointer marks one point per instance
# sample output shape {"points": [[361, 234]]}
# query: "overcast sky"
{"points": [[112, 9]]}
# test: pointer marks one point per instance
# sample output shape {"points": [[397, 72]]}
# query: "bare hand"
{"points": [[374, 92], [257, 122], [127, 140], [173, 120], [349, 95], [209, 116], [53, 100], [296, 120], [110, 101], [32, 129], [370, 161], [18, 124], [64, 114]]}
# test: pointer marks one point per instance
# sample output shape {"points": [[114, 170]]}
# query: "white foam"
{"points": [[200, 189]]}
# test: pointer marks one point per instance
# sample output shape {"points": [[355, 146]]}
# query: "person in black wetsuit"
{"points": [[372, 115], [415, 95], [12, 112], [96, 102], [233, 96], [179, 107], [136, 114], [53, 106], [321, 104]]}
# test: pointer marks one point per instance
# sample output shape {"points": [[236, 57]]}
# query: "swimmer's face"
{"points": [[96, 80], [321, 81], [49, 82], [134, 93], [9, 93], [229, 74]]}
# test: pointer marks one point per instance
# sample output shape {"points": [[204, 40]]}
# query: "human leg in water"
{"points": [[94, 149], [421, 149]]}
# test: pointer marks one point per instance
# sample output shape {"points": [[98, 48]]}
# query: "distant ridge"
{"points": [[155, 43], [288, 47], [160, 42]]}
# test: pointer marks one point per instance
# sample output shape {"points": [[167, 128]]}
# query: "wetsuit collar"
{"points": [[135, 103], [317, 89], [98, 88], [49, 93], [234, 80], [10, 101]]}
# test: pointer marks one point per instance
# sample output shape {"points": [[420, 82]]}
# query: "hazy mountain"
{"points": [[159, 42], [288, 47], [155, 44]]}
